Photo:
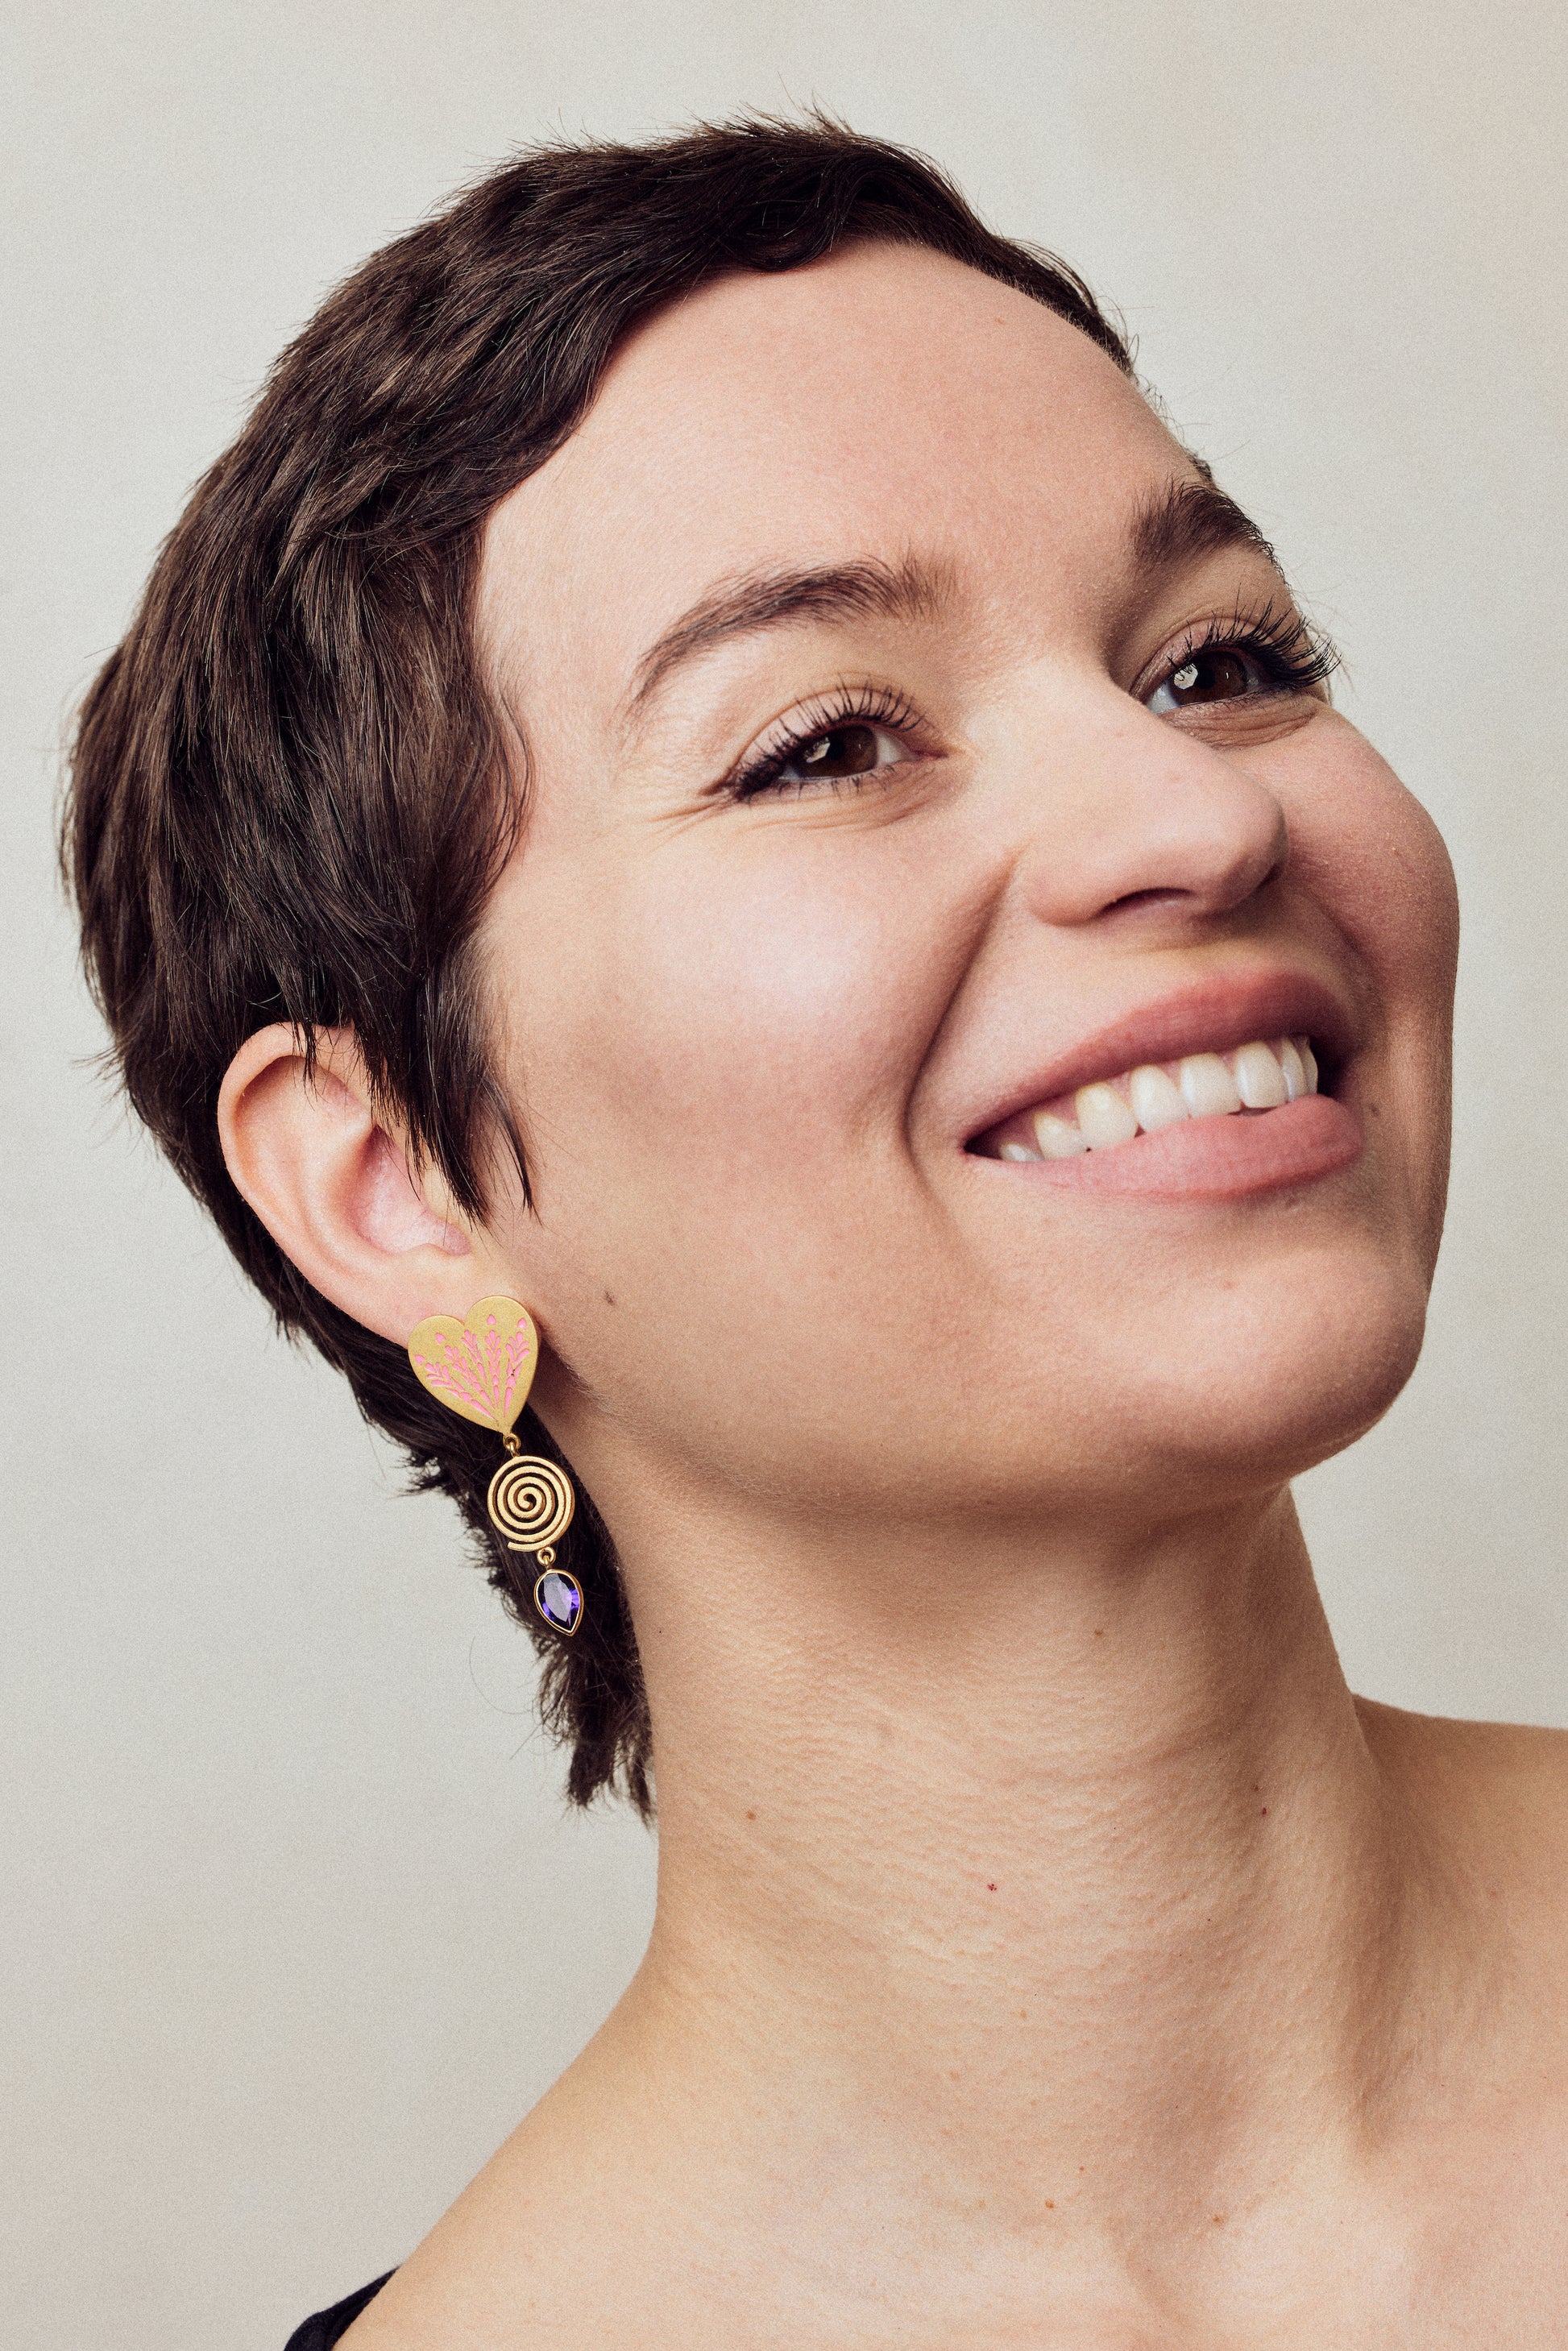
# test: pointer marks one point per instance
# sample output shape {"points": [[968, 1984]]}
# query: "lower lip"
{"points": [[1216, 1158]]}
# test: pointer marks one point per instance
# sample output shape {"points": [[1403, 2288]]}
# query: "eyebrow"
{"points": [[1178, 524], [913, 590], [1187, 521]]}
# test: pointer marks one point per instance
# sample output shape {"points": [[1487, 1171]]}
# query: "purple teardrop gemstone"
{"points": [[558, 1599]]}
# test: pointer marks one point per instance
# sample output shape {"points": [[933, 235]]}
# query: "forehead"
{"points": [[881, 402]]}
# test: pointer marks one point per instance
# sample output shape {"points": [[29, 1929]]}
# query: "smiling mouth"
{"points": [[1248, 1082]]}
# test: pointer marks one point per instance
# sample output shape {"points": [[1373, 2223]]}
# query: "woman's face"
{"points": [[914, 739]]}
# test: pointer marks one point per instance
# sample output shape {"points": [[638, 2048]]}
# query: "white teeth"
{"points": [[1157, 1101], [1208, 1087], [1103, 1118], [1259, 1076], [1259, 1079], [1058, 1137]]}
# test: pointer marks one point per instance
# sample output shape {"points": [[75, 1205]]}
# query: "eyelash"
{"points": [[848, 706], [1292, 654]]}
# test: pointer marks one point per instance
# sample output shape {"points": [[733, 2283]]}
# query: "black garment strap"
{"points": [[319, 2333]]}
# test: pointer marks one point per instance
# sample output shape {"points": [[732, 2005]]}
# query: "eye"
{"points": [[1211, 674], [1244, 657], [839, 742]]}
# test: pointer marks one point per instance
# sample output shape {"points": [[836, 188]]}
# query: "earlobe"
{"points": [[333, 1187]]}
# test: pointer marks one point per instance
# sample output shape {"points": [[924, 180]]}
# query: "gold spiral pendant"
{"points": [[531, 1502]]}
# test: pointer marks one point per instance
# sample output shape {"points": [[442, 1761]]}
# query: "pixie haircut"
{"points": [[291, 789]]}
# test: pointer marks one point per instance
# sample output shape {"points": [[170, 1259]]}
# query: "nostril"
{"points": [[1137, 899]]}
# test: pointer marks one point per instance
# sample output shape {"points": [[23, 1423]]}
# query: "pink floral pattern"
{"points": [[482, 1368]]}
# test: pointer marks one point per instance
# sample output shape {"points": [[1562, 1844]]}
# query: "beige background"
{"points": [[296, 1921]]}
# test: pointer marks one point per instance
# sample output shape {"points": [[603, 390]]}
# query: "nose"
{"points": [[1145, 812]]}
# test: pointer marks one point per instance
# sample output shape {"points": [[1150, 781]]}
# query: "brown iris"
{"points": [[843, 751], [1218, 676]]}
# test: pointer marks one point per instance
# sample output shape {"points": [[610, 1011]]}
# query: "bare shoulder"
{"points": [[504, 2266], [1513, 1764], [1487, 1805], [1493, 1798]]}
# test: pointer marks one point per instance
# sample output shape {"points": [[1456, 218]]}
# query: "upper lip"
{"points": [[1208, 1016]]}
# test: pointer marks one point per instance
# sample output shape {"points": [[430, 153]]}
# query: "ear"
{"points": [[333, 1187]]}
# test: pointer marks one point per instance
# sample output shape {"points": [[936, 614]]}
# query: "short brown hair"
{"points": [[290, 795]]}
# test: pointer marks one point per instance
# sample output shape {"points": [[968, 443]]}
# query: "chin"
{"points": [[1267, 1386]]}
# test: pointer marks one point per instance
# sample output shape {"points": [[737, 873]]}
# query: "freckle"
{"points": [[953, 2076], [1219, 2220], [1048, 2205], [1098, 1632], [751, 1816], [1023, 2016]]}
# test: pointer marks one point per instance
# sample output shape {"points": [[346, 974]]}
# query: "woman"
{"points": [[708, 768]]}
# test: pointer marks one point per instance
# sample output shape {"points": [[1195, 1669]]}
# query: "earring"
{"points": [[483, 1368]]}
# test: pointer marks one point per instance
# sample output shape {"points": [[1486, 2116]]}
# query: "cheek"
{"points": [[1365, 849], [738, 1019], [778, 1003], [721, 1044], [1366, 852]]}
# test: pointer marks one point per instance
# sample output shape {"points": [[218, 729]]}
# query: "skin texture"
{"points": [[1050, 1951]]}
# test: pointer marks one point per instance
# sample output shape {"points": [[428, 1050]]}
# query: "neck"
{"points": [[1099, 1879]]}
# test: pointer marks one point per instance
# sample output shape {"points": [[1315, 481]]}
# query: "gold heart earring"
{"points": [[483, 1367]]}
